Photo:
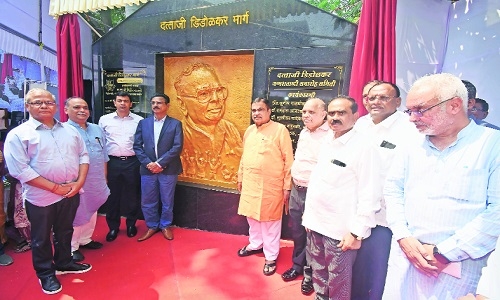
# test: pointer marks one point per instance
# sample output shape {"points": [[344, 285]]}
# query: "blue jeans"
{"points": [[156, 189]]}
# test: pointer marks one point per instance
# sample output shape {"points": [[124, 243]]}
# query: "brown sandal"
{"points": [[269, 268]]}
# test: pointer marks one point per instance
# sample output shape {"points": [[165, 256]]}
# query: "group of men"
{"points": [[387, 206], [68, 170]]}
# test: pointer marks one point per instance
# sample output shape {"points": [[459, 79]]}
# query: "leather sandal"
{"points": [[245, 252], [269, 268]]}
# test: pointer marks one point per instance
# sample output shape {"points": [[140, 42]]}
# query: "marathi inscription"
{"points": [[290, 87], [195, 22], [115, 81]]}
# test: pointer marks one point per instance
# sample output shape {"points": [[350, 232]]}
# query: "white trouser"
{"points": [[265, 235], [82, 235]]}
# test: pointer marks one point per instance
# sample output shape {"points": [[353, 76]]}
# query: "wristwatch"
{"points": [[356, 236], [440, 257]]}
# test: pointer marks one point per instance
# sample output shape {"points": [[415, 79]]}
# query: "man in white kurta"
{"points": [[341, 201], [442, 196]]}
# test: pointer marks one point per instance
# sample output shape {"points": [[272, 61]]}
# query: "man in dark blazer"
{"points": [[158, 145]]}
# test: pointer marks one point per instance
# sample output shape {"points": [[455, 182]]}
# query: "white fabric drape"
{"points": [[61, 7], [434, 36]]}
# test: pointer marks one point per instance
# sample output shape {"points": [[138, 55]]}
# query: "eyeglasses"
{"points": [[419, 113], [476, 109], [382, 98], [205, 95], [39, 103]]}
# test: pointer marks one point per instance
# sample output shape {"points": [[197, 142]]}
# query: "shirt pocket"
{"points": [[468, 185], [265, 146]]}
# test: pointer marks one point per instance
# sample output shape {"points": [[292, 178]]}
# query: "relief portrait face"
{"points": [[203, 97]]}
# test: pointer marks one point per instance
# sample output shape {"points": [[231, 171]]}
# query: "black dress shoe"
{"points": [[92, 245], [290, 274], [131, 231], [112, 234], [73, 268], [50, 285], [77, 256], [306, 287]]}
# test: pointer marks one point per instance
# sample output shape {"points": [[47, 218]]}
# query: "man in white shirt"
{"points": [[315, 131], [123, 167], [391, 130], [442, 196], [342, 198]]}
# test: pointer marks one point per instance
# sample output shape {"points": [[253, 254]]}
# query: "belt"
{"points": [[120, 157], [299, 187]]}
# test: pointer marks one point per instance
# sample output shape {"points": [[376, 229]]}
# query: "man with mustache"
{"points": [[342, 197], [158, 145], [264, 182], [212, 145], [442, 196], [391, 131], [95, 190]]}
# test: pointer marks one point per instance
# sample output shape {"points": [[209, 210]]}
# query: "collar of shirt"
{"points": [[129, 116], [390, 120], [462, 134], [323, 127], [76, 124], [160, 120], [345, 137], [36, 124], [264, 125]]}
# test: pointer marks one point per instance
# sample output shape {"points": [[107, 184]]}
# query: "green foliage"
{"points": [[117, 15], [347, 9]]}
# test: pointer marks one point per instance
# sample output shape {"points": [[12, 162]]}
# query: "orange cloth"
{"points": [[265, 171]]}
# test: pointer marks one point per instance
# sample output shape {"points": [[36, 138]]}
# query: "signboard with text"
{"points": [[289, 87], [129, 80]]}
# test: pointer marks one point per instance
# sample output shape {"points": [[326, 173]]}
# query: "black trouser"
{"points": [[124, 182], [57, 218], [299, 234]]}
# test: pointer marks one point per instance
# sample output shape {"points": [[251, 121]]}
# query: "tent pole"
{"points": [[88, 24]]}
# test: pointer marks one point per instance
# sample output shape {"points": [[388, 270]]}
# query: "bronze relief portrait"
{"points": [[210, 95]]}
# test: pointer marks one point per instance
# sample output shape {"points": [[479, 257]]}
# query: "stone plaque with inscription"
{"points": [[289, 87], [114, 81]]}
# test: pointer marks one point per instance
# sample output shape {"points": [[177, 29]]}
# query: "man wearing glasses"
{"points": [[158, 145], [480, 112], [50, 160], [391, 131], [442, 196], [212, 145]]}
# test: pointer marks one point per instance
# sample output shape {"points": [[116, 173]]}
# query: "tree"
{"points": [[347, 9]]}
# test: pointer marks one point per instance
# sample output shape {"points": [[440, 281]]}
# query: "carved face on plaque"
{"points": [[201, 95]]}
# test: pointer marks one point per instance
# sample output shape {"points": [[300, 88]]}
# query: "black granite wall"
{"points": [[280, 32]]}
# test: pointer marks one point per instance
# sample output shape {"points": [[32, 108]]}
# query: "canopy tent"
{"points": [[466, 43], [19, 33], [431, 36], [61, 7]]}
